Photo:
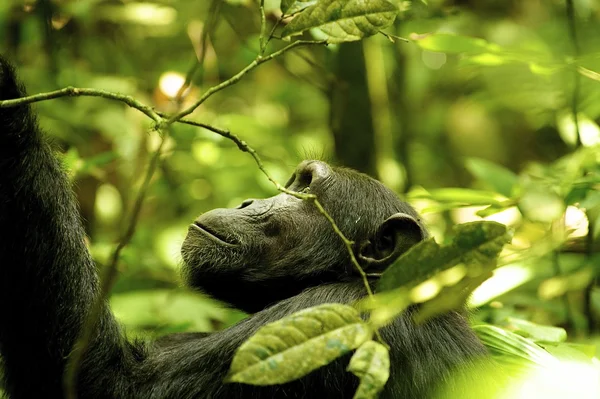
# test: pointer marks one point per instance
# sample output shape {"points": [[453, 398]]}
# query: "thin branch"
{"points": [[576, 78], [236, 78], [392, 38], [244, 147], [263, 28], [78, 91], [272, 33]]}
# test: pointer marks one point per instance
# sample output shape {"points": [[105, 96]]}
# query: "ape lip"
{"points": [[213, 234]]}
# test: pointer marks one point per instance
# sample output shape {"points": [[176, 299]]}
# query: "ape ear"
{"points": [[395, 236]]}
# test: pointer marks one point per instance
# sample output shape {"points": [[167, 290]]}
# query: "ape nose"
{"points": [[319, 169], [310, 171], [245, 203]]}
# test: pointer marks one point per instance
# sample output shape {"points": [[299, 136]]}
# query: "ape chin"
{"points": [[270, 257]]}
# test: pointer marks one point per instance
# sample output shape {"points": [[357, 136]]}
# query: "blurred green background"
{"points": [[471, 118]]}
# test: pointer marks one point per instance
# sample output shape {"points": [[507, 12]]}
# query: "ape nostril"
{"points": [[307, 173], [245, 203], [305, 178], [310, 171]]}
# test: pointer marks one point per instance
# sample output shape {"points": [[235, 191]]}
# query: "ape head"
{"points": [[267, 250]]}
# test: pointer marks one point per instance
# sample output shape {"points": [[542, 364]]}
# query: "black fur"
{"points": [[278, 256]]}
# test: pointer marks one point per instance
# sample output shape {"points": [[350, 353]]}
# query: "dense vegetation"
{"points": [[474, 111]]}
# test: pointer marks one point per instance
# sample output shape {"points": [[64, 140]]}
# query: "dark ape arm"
{"points": [[47, 278], [198, 366], [48, 282]]}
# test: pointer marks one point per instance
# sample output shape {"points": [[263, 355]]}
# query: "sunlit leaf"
{"points": [[440, 276], [371, 363], [570, 352], [498, 177], [474, 243], [537, 332], [344, 21], [449, 298], [544, 69], [539, 204], [462, 196], [142, 13], [298, 344], [487, 59], [447, 43], [289, 7], [505, 345], [588, 73]]}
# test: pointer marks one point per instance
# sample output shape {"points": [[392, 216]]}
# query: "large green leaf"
{"points": [[289, 7], [440, 277], [474, 244], [371, 363], [344, 20], [298, 344]]}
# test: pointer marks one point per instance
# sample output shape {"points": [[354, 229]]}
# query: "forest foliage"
{"points": [[483, 114]]}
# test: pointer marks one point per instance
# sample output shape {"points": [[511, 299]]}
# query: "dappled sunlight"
{"points": [[558, 381], [503, 280]]}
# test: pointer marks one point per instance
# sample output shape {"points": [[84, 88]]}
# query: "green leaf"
{"points": [[570, 352], [537, 332], [497, 177], [441, 277], [540, 204], [487, 59], [454, 44], [289, 7], [449, 298], [589, 73], [462, 196], [370, 363], [512, 348], [298, 344], [591, 200], [475, 243], [344, 21]]}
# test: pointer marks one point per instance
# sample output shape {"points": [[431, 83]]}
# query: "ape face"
{"points": [[266, 250]]}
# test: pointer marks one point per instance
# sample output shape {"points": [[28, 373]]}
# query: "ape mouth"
{"points": [[213, 235]]}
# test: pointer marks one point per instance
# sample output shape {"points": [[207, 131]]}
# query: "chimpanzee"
{"points": [[269, 257]]}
